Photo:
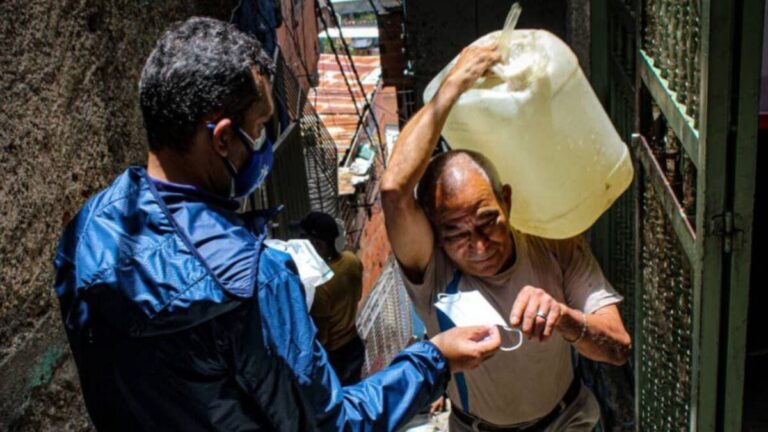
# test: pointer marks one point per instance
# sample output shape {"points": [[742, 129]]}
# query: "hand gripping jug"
{"points": [[537, 118]]}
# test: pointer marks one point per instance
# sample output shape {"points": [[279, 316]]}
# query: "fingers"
{"points": [[484, 339], [437, 406], [483, 349], [491, 343], [473, 62], [542, 316], [529, 316], [525, 315], [515, 317], [486, 57], [466, 347], [476, 333], [555, 312]]}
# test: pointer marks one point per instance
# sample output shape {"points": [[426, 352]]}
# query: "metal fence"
{"points": [[680, 77], [319, 149], [384, 323]]}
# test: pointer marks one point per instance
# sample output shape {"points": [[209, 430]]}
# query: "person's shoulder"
{"points": [[561, 249], [351, 258], [122, 187], [439, 270], [349, 255], [96, 217]]}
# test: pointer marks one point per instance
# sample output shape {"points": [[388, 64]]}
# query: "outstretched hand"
{"points": [[467, 347]]}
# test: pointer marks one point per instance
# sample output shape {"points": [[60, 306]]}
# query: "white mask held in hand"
{"points": [[470, 308]]}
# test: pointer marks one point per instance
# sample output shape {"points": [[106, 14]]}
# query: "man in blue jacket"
{"points": [[177, 315]]}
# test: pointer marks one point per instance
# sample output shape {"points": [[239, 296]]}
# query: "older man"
{"points": [[178, 317], [455, 237]]}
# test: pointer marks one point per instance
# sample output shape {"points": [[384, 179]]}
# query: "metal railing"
{"points": [[319, 149]]}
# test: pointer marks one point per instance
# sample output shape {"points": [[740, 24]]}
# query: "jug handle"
{"points": [[509, 26]]}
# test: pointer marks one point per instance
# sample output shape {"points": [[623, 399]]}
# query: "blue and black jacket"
{"points": [[180, 319]]}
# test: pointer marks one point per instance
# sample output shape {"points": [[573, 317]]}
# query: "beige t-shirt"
{"points": [[525, 384]]}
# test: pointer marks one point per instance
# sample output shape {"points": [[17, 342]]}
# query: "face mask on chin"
{"points": [[256, 168]]}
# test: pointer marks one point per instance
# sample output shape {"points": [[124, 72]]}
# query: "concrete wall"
{"points": [[69, 123]]}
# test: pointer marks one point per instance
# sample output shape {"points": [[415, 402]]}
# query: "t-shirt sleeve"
{"points": [[586, 288], [435, 279]]}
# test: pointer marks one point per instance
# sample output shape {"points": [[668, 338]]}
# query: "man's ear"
{"points": [[221, 135], [506, 192]]}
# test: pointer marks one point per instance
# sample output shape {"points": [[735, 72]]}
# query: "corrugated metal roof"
{"points": [[332, 100]]}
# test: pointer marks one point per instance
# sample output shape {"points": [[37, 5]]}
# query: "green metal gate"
{"points": [[680, 79]]}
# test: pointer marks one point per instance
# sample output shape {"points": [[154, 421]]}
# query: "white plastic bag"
{"points": [[313, 270]]}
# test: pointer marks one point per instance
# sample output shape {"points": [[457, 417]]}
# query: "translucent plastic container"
{"points": [[538, 119]]}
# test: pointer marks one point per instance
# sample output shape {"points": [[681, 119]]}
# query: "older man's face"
{"points": [[471, 224]]}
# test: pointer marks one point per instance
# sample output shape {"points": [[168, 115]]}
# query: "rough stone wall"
{"points": [[69, 123]]}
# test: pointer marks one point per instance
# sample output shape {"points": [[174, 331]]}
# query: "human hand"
{"points": [[536, 312], [467, 347], [437, 406], [473, 62]]}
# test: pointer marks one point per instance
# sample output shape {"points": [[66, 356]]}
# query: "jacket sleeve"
{"points": [[382, 402], [267, 380]]}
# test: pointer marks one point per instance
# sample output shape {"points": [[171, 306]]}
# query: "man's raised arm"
{"points": [[408, 229]]}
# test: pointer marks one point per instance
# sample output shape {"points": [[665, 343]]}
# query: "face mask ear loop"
{"points": [[519, 336], [252, 145], [227, 164], [448, 298]]}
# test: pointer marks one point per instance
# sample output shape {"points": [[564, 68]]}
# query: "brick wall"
{"points": [[374, 249], [298, 40]]}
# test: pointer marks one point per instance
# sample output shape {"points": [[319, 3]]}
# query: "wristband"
{"points": [[583, 332]]}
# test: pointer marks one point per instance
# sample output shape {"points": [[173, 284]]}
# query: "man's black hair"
{"points": [[322, 226], [198, 67]]}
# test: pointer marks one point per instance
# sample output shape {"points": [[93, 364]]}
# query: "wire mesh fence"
{"points": [[385, 323]]}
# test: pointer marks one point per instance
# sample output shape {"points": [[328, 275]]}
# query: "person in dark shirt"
{"points": [[334, 308]]}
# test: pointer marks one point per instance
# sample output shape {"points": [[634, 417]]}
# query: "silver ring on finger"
{"points": [[541, 314]]}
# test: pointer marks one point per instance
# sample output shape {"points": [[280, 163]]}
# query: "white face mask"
{"points": [[313, 271], [258, 143], [470, 308]]}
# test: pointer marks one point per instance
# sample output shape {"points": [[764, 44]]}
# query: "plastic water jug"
{"points": [[536, 117]]}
